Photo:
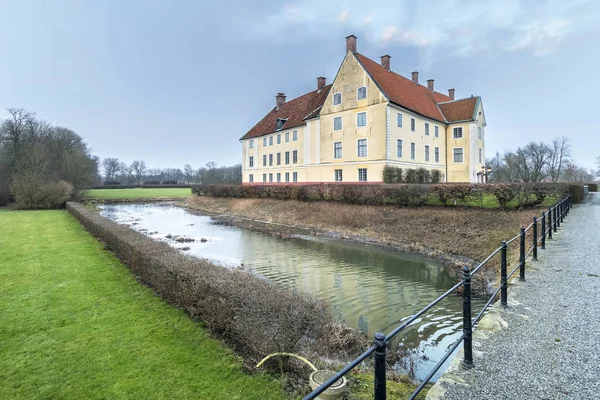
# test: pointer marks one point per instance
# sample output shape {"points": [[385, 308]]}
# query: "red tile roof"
{"points": [[459, 110], [295, 111]]}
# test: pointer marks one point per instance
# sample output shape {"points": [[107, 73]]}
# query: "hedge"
{"points": [[524, 194], [147, 186], [592, 187], [253, 315]]}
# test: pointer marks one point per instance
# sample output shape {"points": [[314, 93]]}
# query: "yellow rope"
{"points": [[287, 354]]}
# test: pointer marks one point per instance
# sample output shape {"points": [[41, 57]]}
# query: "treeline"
{"points": [[41, 166], [116, 172], [539, 162]]}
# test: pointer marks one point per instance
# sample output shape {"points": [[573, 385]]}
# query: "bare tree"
{"points": [[211, 165], [598, 165], [560, 155], [188, 172], [538, 154], [139, 169], [14, 128], [111, 167]]}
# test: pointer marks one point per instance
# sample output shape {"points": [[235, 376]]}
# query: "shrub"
{"points": [[575, 190], [32, 193], [410, 176], [257, 317], [592, 187], [436, 176], [169, 182], [392, 174], [450, 192], [504, 193], [109, 182], [151, 182]]}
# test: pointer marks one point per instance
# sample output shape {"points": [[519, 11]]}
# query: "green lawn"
{"points": [[137, 193], [75, 324]]}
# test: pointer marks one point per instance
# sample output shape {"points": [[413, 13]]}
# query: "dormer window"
{"points": [[280, 123], [361, 93], [337, 99]]}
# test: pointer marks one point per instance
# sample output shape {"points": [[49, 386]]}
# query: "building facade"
{"points": [[369, 117]]}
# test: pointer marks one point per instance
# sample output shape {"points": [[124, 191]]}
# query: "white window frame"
{"points": [[251, 162], [279, 138], [294, 156], [287, 158], [270, 140], [278, 158], [413, 124], [251, 178], [287, 136], [401, 148], [265, 141], [251, 144], [366, 119], [335, 175], [358, 91], [294, 135], [436, 129], [462, 154], [341, 150], [436, 154], [264, 160], [294, 176], [400, 119], [270, 177], [413, 151], [287, 176], [333, 99], [366, 175], [426, 151], [264, 178], [341, 123], [426, 128], [270, 160], [454, 130], [366, 146], [279, 177]]}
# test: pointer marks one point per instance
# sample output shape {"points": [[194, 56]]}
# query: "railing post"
{"points": [[543, 231], [562, 214], [558, 214], [380, 379], [549, 222], [535, 238], [522, 255], [554, 222], [467, 322], [503, 275]]}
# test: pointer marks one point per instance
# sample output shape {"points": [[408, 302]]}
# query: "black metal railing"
{"points": [[554, 216]]}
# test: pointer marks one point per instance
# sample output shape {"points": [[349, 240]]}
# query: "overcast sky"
{"points": [[176, 82]]}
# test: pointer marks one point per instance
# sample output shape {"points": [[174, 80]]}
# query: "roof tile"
{"points": [[459, 110]]}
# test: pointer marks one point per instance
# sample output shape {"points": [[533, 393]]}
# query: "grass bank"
{"points": [[74, 323], [137, 193]]}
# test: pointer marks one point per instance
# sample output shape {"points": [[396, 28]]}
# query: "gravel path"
{"points": [[546, 344]]}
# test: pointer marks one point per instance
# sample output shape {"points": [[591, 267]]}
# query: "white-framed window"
{"points": [[480, 155], [479, 132], [413, 151], [264, 160], [264, 178], [361, 119], [271, 177], [287, 137], [399, 120], [270, 140], [278, 158], [279, 138], [251, 144], [426, 153], [457, 132], [337, 150], [361, 147], [251, 161], [458, 155], [399, 148], [264, 142], [412, 124], [279, 177], [337, 123], [437, 131], [361, 93], [295, 177], [287, 176], [287, 157], [337, 99], [362, 174], [437, 154], [338, 175], [427, 128], [295, 156], [270, 159], [294, 136], [251, 178]]}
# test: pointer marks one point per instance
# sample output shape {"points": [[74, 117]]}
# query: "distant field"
{"points": [[137, 193], [75, 324]]}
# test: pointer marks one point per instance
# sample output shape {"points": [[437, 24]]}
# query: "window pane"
{"points": [[270, 140], [457, 133], [426, 128], [361, 119], [400, 148], [362, 148], [264, 177], [412, 151], [362, 174], [264, 142], [437, 131], [251, 161], [287, 157], [399, 120], [362, 93], [337, 150], [251, 143], [295, 177], [287, 136], [458, 155], [294, 136], [295, 156], [287, 176], [251, 178], [412, 124], [338, 175], [337, 99], [426, 153], [278, 158], [437, 154], [337, 123]]}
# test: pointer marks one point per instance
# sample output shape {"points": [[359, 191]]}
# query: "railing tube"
{"points": [[549, 222], [522, 255], [503, 275], [554, 223], [543, 231], [535, 238], [562, 214], [380, 378], [558, 214], [467, 328]]}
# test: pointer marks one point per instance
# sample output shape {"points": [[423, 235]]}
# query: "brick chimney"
{"points": [[279, 100], [415, 77], [385, 62], [321, 82], [451, 93], [351, 43], [430, 84]]}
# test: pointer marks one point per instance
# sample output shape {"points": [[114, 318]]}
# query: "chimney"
{"points": [[279, 100], [430, 84], [451, 93], [321, 82], [351, 43], [385, 62], [415, 77]]}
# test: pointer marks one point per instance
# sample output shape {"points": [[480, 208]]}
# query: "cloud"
{"points": [[343, 16]]}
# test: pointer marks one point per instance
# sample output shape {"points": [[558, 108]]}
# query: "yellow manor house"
{"points": [[369, 117]]}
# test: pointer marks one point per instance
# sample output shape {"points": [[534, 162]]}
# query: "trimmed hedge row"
{"points": [[147, 186], [592, 187], [393, 174], [253, 315], [523, 194]]}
